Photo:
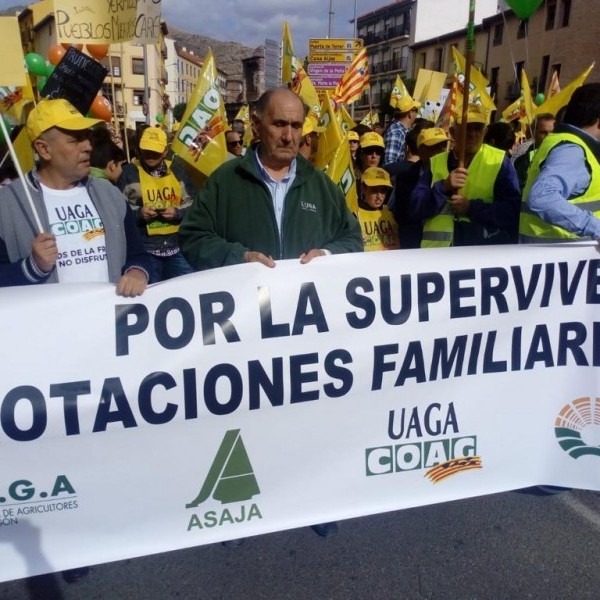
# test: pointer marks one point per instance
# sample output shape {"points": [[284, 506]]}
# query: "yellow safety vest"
{"points": [[533, 229], [438, 231], [160, 192], [379, 229]]}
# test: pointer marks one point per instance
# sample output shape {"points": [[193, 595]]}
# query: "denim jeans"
{"points": [[167, 267]]}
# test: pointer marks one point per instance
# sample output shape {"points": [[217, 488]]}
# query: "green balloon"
{"points": [[524, 8], [539, 99], [50, 70], [159, 118], [41, 82], [36, 64]]}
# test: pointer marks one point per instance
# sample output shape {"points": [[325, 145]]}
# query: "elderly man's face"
{"points": [[280, 129], [66, 154]]}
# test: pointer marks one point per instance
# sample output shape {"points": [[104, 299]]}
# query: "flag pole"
{"points": [[469, 58], [17, 165]]}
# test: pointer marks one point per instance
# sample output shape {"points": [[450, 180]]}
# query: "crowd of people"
{"points": [[86, 214]]}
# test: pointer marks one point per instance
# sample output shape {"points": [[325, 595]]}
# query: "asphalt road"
{"points": [[505, 546]]}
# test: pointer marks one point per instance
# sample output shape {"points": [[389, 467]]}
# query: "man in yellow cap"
{"points": [[377, 223], [468, 205], [404, 117], [88, 230], [310, 138], [159, 199]]}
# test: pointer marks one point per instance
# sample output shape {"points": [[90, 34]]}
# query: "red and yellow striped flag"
{"points": [[354, 81]]}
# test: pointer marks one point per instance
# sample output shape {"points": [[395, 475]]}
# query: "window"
{"points": [[423, 59], [138, 97], [550, 15], [494, 77], [565, 12], [556, 67], [498, 33], [522, 31], [544, 72], [137, 66], [438, 55]]}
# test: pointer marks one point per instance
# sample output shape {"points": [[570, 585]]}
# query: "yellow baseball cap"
{"points": [[371, 139], [475, 114], [376, 176], [153, 139], [353, 136], [406, 103], [432, 136], [56, 113]]}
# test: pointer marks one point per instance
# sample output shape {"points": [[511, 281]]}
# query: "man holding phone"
{"points": [[160, 199]]}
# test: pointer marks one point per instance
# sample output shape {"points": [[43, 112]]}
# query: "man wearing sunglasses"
{"points": [[235, 145]]}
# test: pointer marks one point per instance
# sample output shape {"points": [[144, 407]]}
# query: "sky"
{"points": [[249, 22]]}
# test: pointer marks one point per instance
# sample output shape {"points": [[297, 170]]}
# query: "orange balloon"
{"points": [[67, 46], [56, 53], [101, 108], [98, 51]]}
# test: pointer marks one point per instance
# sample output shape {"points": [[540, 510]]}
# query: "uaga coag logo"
{"points": [[577, 427], [230, 480]]}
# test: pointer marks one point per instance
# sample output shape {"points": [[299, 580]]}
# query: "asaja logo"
{"points": [[230, 480], [577, 427]]}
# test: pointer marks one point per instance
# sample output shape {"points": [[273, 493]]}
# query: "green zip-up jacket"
{"points": [[234, 214]]}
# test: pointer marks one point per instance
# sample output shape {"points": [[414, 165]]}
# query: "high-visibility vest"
{"points": [[531, 227], [438, 231]]}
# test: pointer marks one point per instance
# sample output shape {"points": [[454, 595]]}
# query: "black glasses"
{"points": [[373, 150], [235, 143]]}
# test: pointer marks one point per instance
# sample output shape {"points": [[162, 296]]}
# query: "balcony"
{"points": [[396, 64], [400, 31]]}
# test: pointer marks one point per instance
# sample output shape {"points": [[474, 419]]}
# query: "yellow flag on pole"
{"points": [[478, 93], [332, 135], [554, 86], [528, 105], [341, 172], [398, 91], [555, 103], [345, 120], [288, 55], [200, 140], [370, 119]]}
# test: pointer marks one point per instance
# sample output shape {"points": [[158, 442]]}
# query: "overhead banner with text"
{"points": [[247, 400]]}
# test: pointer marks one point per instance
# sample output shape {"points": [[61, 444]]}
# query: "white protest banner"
{"points": [[147, 24], [247, 400]]}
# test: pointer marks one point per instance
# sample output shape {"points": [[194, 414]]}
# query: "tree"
{"points": [[179, 111]]}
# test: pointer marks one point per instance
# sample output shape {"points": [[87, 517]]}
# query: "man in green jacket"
{"points": [[271, 204]]}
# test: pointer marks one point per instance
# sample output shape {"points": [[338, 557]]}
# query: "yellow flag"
{"points": [[13, 100], [243, 115], [555, 103], [303, 86], [332, 136], [344, 119], [370, 119], [288, 55], [341, 172], [13, 62], [23, 150], [477, 89], [428, 86], [554, 86], [513, 111], [398, 91], [528, 105], [200, 140]]}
